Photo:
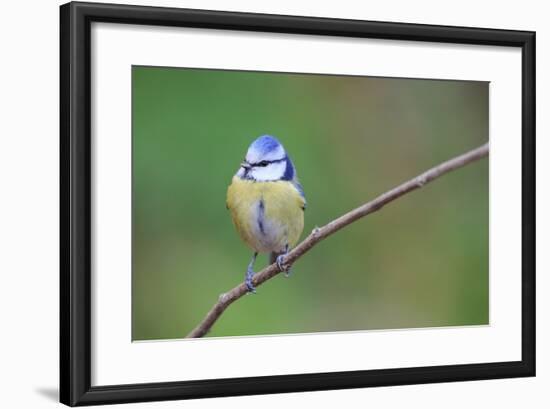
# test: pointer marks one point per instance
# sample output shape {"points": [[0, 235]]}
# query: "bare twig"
{"points": [[321, 233]]}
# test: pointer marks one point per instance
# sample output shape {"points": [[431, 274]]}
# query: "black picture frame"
{"points": [[75, 203]]}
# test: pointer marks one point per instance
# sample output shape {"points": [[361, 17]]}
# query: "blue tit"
{"points": [[267, 202]]}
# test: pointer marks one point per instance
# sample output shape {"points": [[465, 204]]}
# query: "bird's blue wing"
{"points": [[300, 189]]}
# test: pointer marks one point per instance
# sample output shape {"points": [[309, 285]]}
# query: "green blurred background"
{"points": [[422, 261]]}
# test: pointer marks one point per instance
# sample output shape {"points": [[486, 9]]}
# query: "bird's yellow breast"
{"points": [[267, 215]]}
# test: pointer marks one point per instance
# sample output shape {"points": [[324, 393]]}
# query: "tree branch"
{"points": [[321, 233]]}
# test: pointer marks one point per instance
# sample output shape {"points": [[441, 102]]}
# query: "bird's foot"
{"points": [[250, 275], [248, 281], [281, 264]]}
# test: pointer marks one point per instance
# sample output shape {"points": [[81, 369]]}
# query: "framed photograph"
{"points": [[259, 204]]}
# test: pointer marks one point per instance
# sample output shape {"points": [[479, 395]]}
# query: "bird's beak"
{"points": [[245, 165]]}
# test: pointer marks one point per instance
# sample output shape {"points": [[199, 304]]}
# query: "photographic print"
{"points": [[234, 183], [232, 169]]}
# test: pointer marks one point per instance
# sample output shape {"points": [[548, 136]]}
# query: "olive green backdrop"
{"points": [[422, 261]]}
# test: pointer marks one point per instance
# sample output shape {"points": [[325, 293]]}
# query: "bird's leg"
{"points": [[250, 274], [280, 261]]}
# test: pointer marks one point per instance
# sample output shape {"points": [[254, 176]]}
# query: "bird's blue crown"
{"points": [[265, 144]]}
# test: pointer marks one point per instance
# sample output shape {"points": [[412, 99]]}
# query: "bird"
{"points": [[267, 203]]}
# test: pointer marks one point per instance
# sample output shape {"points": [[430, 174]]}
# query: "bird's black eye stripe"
{"points": [[267, 162]]}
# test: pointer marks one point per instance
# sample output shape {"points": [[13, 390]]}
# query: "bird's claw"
{"points": [[250, 287], [280, 263]]}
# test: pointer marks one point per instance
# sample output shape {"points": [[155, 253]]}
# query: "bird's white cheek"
{"points": [[240, 172], [273, 171]]}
